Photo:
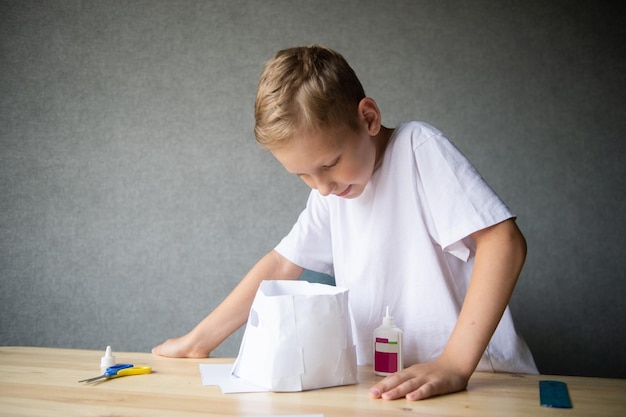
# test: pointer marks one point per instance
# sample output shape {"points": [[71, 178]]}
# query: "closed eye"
{"points": [[335, 162]]}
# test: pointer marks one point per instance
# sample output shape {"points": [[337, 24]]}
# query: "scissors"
{"points": [[123, 369]]}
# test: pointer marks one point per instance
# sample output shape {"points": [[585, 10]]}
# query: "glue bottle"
{"points": [[107, 360], [387, 347]]}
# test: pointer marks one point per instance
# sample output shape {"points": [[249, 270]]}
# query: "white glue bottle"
{"points": [[107, 360], [387, 347]]}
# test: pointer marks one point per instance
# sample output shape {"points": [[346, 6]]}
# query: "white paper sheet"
{"points": [[220, 374]]}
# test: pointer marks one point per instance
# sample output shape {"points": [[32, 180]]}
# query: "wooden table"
{"points": [[44, 382]]}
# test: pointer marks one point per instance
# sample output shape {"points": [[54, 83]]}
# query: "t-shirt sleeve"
{"points": [[457, 197], [309, 244]]}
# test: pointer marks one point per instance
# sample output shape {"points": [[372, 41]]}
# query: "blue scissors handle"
{"points": [[110, 371], [113, 370]]}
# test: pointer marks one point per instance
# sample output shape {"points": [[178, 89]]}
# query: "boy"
{"points": [[398, 216]]}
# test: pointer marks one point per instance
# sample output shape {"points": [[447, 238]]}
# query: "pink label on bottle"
{"points": [[385, 362], [386, 355]]}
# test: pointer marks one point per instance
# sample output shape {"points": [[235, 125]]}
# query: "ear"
{"points": [[370, 115]]}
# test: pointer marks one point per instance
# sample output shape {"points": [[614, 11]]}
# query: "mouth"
{"points": [[345, 192]]}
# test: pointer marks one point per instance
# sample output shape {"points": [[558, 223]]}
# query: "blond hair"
{"points": [[305, 89]]}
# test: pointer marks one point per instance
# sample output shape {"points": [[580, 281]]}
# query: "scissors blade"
{"points": [[95, 378]]}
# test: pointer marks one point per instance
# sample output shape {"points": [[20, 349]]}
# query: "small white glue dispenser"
{"points": [[387, 347], [107, 360]]}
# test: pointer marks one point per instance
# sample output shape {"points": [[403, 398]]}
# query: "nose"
{"points": [[320, 183], [325, 187]]}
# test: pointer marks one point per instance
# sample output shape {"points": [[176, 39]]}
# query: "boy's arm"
{"points": [[500, 254], [232, 313]]}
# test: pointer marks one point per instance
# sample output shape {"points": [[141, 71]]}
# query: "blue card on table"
{"points": [[554, 394]]}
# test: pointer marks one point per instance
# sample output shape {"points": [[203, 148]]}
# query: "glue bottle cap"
{"points": [[388, 320], [108, 359]]}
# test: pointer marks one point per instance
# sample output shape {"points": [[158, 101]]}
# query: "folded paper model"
{"points": [[298, 337]]}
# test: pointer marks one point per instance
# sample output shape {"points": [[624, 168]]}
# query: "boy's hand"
{"points": [[179, 348], [421, 381]]}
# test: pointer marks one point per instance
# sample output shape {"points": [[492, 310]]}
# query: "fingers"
{"points": [[416, 383], [425, 391], [180, 348], [394, 386], [161, 349], [171, 348], [413, 389]]}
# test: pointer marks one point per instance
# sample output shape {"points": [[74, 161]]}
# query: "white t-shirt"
{"points": [[404, 243]]}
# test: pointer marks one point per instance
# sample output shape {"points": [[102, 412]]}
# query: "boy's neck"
{"points": [[382, 140]]}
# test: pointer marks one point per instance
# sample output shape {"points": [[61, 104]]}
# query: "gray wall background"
{"points": [[134, 198]]}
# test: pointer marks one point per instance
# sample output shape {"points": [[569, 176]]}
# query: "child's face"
{"points": [[336, 161]]}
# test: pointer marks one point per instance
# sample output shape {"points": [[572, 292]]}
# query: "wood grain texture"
{"points": [[43, 382]]}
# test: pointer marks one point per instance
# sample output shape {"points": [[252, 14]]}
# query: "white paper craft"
{"points": [[298, 337]]}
